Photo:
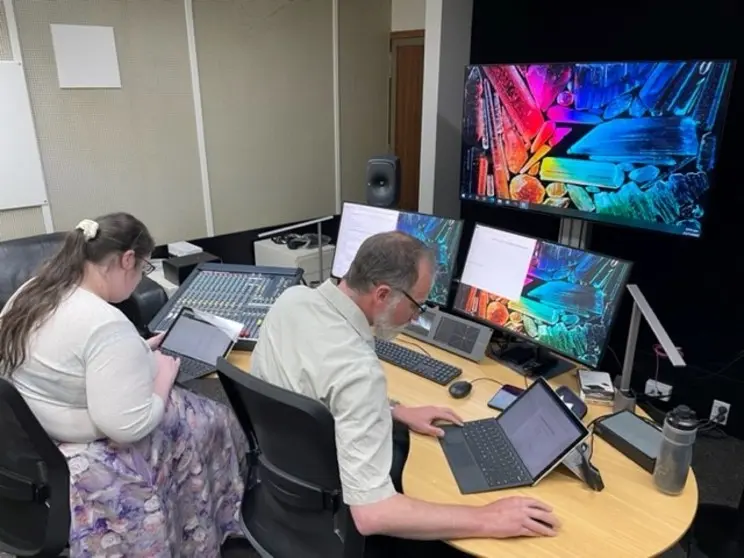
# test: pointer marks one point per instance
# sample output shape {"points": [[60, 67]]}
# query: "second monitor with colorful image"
{"points": [[359, 222], [554, 296]]}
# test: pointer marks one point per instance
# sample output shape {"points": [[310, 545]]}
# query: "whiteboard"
{"points": [[21, 175]]}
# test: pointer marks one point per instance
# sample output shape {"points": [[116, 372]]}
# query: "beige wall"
{"points": [[364, 63], [408, 14], [267, 85], [266, 72], [132, 149]]}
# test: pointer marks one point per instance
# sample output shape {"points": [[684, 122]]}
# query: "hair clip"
{"points": [[89, 228]]}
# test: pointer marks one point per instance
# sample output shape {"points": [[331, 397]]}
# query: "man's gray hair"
{"points": [[390, 258]]}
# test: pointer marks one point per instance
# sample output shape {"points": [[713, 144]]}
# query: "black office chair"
{"points": [[34, 482], [292, 508], [718, 531]]}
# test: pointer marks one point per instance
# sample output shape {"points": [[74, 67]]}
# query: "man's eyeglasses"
{"points": [[420, 308]]}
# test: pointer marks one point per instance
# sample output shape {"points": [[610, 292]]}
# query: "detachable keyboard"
{"points": [[190, 369], [494, 454], [418, 363]]}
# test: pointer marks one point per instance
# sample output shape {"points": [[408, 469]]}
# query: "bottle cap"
{"points": [[683, 418]]}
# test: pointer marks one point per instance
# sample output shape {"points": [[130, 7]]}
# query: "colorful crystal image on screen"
{"points": [[442, 236], [567, 303], [628, 143]]}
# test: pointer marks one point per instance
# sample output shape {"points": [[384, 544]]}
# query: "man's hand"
{"points": [[519, 517], [155, 341], [421, 419]]}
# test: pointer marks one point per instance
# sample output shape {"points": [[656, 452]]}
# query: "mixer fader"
{"points": [[242, 293]]}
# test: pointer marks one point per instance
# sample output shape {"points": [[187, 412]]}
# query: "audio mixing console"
{"points": [[242, 293]]}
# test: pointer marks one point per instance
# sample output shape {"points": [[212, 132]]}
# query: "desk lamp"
{"points": [[319, 222], [624, 396]]}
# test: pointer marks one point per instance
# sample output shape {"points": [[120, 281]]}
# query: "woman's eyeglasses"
{"points": [[147, 267]]}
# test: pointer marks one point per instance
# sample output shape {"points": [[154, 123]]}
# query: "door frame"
{"points": [[398, 38]]}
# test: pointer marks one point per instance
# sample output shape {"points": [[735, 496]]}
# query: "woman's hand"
{"points": [[167, 370], [155, 341]]}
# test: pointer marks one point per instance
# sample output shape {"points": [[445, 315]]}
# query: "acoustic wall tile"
{"points": [[266, 71], [130, 149]]}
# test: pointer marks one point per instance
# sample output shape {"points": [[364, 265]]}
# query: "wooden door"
{"points": [[406, 92]]}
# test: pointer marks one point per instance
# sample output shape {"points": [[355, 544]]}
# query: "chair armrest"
{"points": [[146, 301]]}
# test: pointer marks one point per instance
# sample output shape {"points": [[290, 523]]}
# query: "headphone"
{"points": [[295, 241]]}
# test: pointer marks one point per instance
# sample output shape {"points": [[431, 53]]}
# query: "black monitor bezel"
{"points": [[566, 411], [460, 229], [527, 338], [608, 220]]}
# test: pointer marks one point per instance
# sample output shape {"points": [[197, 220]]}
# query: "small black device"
{"points": [[460, 389], [517, 448], [383, 181], [572, 401], [177, 270], [197, 343], [418, 363], [637, 439], [506, 395], [457, 335]]}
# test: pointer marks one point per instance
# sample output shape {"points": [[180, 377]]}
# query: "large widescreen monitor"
{"points": [[561, 298], [625, 143], [358, 222]]}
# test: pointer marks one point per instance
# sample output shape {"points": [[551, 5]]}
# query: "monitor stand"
{"points": [[529, 359]]}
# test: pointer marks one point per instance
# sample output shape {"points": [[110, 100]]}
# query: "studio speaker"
{"points": [[383, 181]]}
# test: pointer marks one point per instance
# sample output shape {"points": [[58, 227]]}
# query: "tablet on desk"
{"points": [[518, 448]]}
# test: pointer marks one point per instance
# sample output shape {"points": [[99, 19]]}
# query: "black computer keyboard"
{"points": [[495, 456], [420, 364], [190, 369]]}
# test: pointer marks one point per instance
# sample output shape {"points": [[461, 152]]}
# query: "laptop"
{"points": [[197, 342], [518, 448]]}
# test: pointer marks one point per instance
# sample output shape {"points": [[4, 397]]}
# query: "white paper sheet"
{"points": [[230, 327]]}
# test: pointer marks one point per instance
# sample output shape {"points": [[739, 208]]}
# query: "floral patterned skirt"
{"points": [[176, 493]]}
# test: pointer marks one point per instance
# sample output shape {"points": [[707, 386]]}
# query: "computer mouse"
{"points": [[460, 389]]}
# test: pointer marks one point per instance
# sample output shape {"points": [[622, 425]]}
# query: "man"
{"points": [[320, 343]]}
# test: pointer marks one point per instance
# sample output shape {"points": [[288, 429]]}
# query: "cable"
{"points": [[419, 347], [487, 378], [617, 359]]}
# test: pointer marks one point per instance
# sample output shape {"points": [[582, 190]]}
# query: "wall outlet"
{"points": [[658, 389], [719, 412]]}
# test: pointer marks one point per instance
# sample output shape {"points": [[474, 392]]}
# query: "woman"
{"points": [[155, 471]]}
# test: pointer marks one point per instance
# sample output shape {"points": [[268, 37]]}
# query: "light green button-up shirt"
{"points": [[317, 342]]}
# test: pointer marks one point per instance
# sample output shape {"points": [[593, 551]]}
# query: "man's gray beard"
{"points": [[383, 327], [386, 333]]}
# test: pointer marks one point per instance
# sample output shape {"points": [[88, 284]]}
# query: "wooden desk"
{"points": [[629, 518]]}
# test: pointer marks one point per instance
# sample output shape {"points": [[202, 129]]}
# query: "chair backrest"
{"points": [[22, 258], [296, 507], [34, 482]]}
